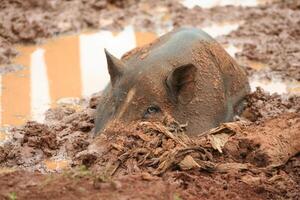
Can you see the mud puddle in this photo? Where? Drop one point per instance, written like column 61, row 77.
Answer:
column 275, row 85
column 67, row 68
column 61, row 72
column 63, row 69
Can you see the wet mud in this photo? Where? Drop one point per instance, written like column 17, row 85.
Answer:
column 254, row 157
column 267, row 33
column 258, row 154
column 274, row 42
column 81, row 184
column 33, row 21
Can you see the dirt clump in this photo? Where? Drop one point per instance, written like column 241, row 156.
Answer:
column 6, row 51
column 269, row 143
column 66, row 133
column 261, row 105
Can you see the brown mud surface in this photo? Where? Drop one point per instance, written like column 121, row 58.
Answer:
column 34, row 20
column 268, row 33
column 255, row 157
column 81, row 184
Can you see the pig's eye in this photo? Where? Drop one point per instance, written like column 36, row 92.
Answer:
column 152, row 110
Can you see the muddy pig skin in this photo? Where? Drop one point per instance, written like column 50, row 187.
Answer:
column 184, row 74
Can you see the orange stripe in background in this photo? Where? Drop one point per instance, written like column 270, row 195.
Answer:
column 143, row 38
column 15, row 98
column 62, row 59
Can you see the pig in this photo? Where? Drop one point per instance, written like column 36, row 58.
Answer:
column 184, row 74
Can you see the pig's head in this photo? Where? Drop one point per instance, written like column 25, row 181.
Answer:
column 137, row 94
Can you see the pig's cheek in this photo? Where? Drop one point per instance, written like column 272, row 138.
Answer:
column 168, row 117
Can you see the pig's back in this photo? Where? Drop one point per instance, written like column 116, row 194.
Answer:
column 175, row 46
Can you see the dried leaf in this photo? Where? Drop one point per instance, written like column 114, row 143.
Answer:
column 218, row 141
column 188, row 163
column 219, row 136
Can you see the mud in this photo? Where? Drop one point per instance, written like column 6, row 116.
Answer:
column 267, row 33
column 254, row 157
column 82, row 184
column 6, row 52
column 227, row 162
column 274, row 42
column 261, row 105
column 66, row 133
column 32, row 21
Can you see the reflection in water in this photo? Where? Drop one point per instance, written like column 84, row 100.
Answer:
column 272, row 85
column 40, row 96
column 15, row 94
column 219, row 29
column 232, row 50
column 70, row 66
column 275, row 85
column 94, row 72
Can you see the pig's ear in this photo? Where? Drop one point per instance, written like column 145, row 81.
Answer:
column 115, row 66
column 181, row 83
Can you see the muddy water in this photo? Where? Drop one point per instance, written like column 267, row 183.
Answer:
column 275, row 85
column 69, row 67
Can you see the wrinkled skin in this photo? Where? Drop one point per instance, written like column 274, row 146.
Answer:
column 184, row 74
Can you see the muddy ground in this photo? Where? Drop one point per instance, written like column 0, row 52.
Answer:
column 255, row 157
